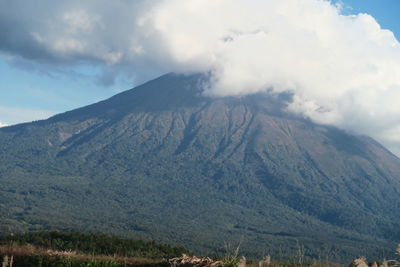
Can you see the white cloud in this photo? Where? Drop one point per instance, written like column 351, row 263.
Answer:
column 13, row 115
column 342, row 70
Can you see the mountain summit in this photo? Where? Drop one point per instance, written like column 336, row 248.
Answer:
column 162, row 161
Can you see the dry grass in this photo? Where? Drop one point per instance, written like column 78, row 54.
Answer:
column 29, row 250
column 277, row 264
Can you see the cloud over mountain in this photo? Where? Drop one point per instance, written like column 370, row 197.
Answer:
column 342, row 70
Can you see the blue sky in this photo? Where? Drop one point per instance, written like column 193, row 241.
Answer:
column 39, row 95
column 28, row 92
column 386, row 12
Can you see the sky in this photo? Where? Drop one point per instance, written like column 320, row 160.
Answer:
column 340, row 59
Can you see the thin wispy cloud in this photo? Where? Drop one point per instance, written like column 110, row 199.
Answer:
column 342, row 70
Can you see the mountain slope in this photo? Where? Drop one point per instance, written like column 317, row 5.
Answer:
column 163, row 162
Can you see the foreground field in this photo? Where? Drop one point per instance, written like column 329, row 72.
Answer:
column 52, row 248
column 21, row 256
column 59, row 249
column 28, row 255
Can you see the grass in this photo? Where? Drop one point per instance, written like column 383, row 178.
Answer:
column 15, row 254
column 396, row 262
column 231, row 258
column 29, row 255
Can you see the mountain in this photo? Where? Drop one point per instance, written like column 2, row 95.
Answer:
column 163, row 162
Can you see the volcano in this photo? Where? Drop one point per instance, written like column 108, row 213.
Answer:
column 164, row 162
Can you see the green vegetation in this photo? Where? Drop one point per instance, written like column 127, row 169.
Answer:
column 61, row 249
column 231, row 257
column 96, row 244
column 23, row 256
column 46, row 260
column 52, row 248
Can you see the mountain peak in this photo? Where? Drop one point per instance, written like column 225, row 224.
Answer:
column 166, row 92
